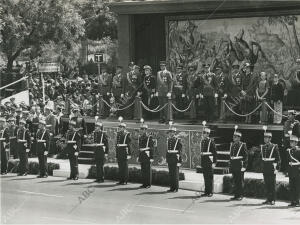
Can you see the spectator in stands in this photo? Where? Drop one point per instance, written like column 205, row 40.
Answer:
column 276, row 96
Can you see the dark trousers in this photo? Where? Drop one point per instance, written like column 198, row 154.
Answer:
column 42, row 162
column 73, row 159
column 163, row 113
column 23, row 164
column 208, row 179
column 209, row 106
column 123, row 171
column 174, row 176
column 13, row 148
column 146, row 173
column 4, row 159
column 284, row 155
column 103, row 108
column 99, row 160
column 238, row 180
column 294, row 183
column 270, row 181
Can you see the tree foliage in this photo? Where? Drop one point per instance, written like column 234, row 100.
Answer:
column 33, row 24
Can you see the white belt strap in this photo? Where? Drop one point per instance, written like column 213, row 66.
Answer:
column 175, row 145
column 124, row 141
column 3, row 132
column 272, row 151
column 43, row 135
column 230, row 148
column 208, row 147
column 74, row 136
column 239, row 149
column 292, row 157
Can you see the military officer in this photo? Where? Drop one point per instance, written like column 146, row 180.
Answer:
column 73, row 144
column 208, row 160
column 123, row 152
column 271, row 163
column 12, row 130
column 180, row 90
column 164, row 89
column 173, row 157
column 51, row 127
column 101, row 149
column 238, row 164
column 146, row 145
column 4, row 145
column 118, row 84
column 23, row 146
column 104, row 83
column 42, row 137
column 294, row 171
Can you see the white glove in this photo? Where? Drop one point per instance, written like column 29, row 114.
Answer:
column 107, row 93
column 156, row 94
column 201, row 96
column 225, row 95
column 129, row 157
column 51, row 134
column 45, row 153
column 7, row 149
column 45, row 144
column 148, row 154
column 197, row 96
column 213, row 165
column 105, row 155
column 151, row 160
column 169, row 95
column 243, row 169
column 178, row 164
column 216, row 95
column 85, row 136
column 76, row 153
column 183, row 95
column 122, row 95
column 27, row 149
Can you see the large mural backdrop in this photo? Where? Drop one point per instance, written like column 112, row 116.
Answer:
column 271, row 44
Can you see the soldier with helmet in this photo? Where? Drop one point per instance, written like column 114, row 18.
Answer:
column 294, row 171
column 42, row 138
column 23, row 146
column 271, row 164
column 208, row 160
column 123, row 152
column 4, row 145
column 238, row 163
column 100, row 149
column 146, row 145
column 173, row 157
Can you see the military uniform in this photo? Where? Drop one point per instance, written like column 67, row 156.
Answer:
column 42, row 147
column 73, row 140
column 148, row 93
column 100, row 150
column 238, row 161
column 105, row 84
column 12, row 130
column 4, row 145
column 180, row 90
column 270, row 157
column 146, row 146
column 294, row 174
column 122, row 151
column 173, row 157
column 208, row 157
column 23, row 146
column 117, row 87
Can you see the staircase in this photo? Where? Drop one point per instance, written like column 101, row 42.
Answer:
column 86, row 155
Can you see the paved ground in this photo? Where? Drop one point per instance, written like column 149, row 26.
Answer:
column 56, row 200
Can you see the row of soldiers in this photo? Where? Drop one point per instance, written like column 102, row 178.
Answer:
column 238, row 156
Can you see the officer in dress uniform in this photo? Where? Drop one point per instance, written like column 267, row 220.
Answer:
column 294, row 171
column 104, row 83
column 208, row 160
column 12, row 130
column 174, row 159
column 73, row 144
column 271, row 163
column 23, row 146
column 101, row 149
column 118, row 84
column 238, row 164
column 4, row 145
column 42, row 138
column 146, row 145
column 180, row 90
column 123, row 152
column 164, row 89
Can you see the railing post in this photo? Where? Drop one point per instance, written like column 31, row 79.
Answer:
column 169, row 110
column 138, row 112
column 222, row 111
column 264, row 112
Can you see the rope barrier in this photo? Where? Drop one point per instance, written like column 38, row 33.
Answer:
column 248, row 114
column 155, row 110
column 275, row 111
column 184, row 110
column 118, row 109
column 23, row 78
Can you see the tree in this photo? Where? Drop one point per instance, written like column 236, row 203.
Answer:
column 31, row 24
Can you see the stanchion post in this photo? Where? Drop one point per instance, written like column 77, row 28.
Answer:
column 101, row 107
column 264, row 112
column 222, row 111
column 138, row 113
column 170, row 110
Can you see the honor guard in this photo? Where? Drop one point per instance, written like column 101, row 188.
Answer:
column 4, row 145
column 42, row 138
column 123, row 152
column 23, row 146
column 294, row 171
column 208, row 160
column 238, row 164
column 146, row 145
column 12, row 129
column 174, row 159
column 100, row 149
column 73, row 144
column 271, row 163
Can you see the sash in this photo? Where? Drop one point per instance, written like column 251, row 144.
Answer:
column 270, row 156
column 296, row 162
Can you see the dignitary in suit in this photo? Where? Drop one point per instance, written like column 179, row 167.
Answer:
column 238, row 163
column 294, row 171
column 174, row 159
column 146, row 145
column 4, row 145
column 208, row 160
column 123, row 152
column 42, row 138
column 100, row 149
column 271, row 164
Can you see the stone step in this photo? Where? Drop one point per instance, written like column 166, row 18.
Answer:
column 217, row 170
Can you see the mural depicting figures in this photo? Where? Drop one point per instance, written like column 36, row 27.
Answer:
column 269, row 44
